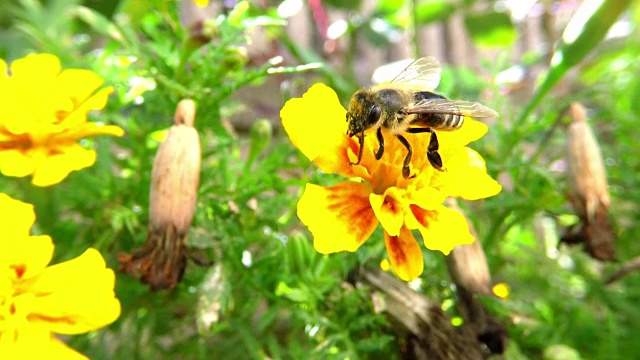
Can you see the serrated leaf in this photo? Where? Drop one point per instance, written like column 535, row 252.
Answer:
column 490, row 29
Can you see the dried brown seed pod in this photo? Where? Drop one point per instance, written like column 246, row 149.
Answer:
column 586, row 169
column 588, row 193
column 174, row 189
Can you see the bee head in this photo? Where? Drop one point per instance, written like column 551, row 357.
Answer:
column 363, row 112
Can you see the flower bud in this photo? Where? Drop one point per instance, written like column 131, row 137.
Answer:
column 299, row 253
column 587, row 177
column 588, row 193
column 174, row 185
column 234, row 58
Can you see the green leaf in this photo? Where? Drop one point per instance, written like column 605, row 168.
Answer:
column 490, row 29
column 98, row 22
column 434, row 11
column 389, row 6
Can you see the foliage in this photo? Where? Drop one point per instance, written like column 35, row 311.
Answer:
column 268, row 293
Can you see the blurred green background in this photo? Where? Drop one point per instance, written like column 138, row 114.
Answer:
column 268, row 294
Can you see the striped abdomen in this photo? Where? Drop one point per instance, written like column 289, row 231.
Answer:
column 449, row 119
column 450, row 122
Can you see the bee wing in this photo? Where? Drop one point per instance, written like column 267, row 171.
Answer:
column 423, row 73
column 455, row 107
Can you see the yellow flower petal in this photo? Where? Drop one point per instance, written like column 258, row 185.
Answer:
column 30, row 343
column 23, row 255
column 61, row 351
column 442, row 229
column 425, row 197
column 339, row 217
column 4, row 73
column 57, row 167
column 16, row 163
column 404, row 254
column 388, row 208
column 78, row 84
column 27, row 256
column 37, row 343
column 88, row 129
column 467, row 176
column 16, row 219
column 35, row 68
column 79, row 115
column 75, row 296
column 316, row 125
column 470, row 131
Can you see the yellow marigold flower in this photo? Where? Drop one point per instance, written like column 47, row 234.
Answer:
column 384, row 265
column 342, row 217
column 44, row 113
column 37, row 300
column 501, row 290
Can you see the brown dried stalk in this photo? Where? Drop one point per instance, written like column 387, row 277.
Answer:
column 174, row 185
column 467, row 265
column 425, row 330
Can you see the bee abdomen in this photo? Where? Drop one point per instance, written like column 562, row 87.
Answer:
column 452, row 121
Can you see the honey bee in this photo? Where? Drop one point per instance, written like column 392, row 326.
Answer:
column 404, row 105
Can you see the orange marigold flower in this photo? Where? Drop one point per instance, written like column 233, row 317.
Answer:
column 37, row 300
column 44, row 113
column 342, row 217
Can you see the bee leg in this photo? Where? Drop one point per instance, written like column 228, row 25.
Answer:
column 361, row 142
column 432, row 150
column 380, row 151
column 407, row 159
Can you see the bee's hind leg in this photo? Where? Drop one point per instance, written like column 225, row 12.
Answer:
column 407, row 159
column 432, row 150
column 380, row 138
